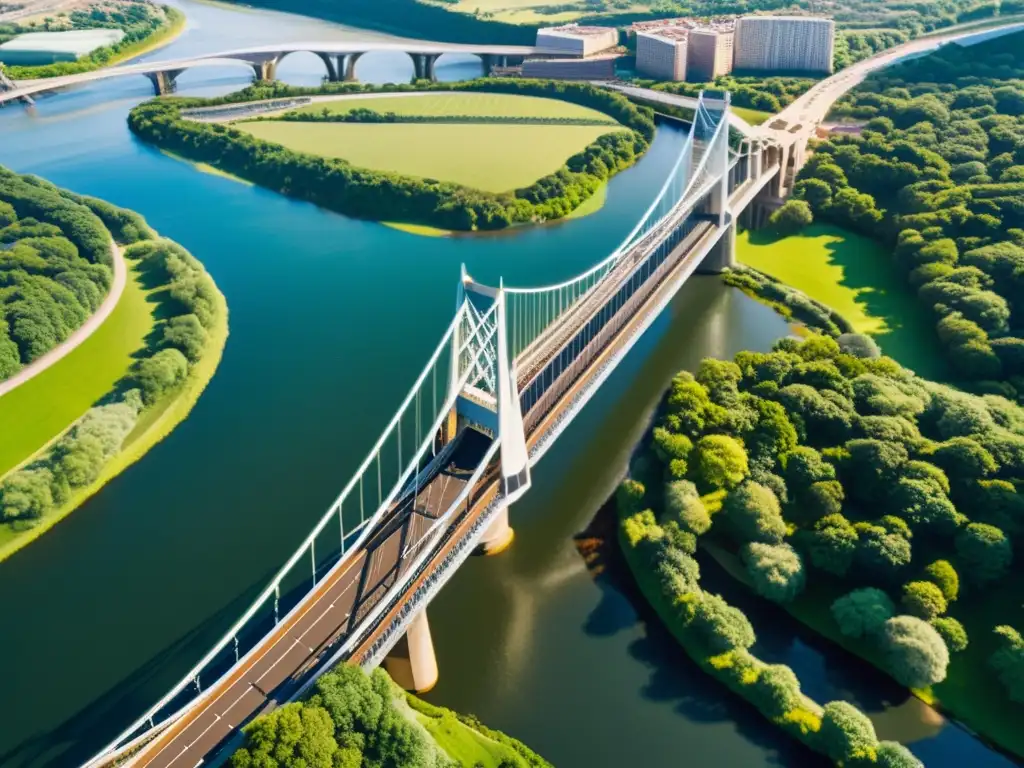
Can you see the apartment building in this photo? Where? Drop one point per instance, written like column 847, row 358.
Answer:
column 574, row 40
column 784, row 43
column 661, row 53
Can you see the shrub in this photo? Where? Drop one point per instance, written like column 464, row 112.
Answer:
column 952, row 632
column 629, row 498
column 187, row 334
column 683, row 504
column 923, row 599
column 776, row 690
column 862, row 612
column 26, row 494
column 641, row 526
column 917, row 655
column 775, row 570
column 985, row 553
column 858, row 345
column 754, row 514
column 721, row 461
column 158, row 374
column 792, row 216
column 892, row 754
column 945, row 577
column 720, row 626
column 832, row 544
column 1008, row 661
column 846, row 734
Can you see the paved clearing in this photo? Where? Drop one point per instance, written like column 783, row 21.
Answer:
column 491, row 157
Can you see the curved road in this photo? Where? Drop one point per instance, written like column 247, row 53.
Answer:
column 84, row 331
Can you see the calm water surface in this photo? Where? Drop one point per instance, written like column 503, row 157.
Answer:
column 331, row 319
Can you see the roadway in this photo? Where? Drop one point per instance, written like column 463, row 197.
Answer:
column 272, row 672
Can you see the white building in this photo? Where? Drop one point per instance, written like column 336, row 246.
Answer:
column 574, row 40
column 661, row 53
column 710, row 53
column 784, row 43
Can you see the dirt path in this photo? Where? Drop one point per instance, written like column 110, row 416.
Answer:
column 87, row 328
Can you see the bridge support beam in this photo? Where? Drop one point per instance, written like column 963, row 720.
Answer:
column 347, row 66
column 412, row 663
column 332, row 64
column 423, row 64
column 723, row 255
column 498, row 536
column 265, row 70
column 164, row 82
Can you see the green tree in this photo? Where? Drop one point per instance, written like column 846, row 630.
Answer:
column 793, row 216
column 832, row 544
column 985, row 553
column 754, row 514
column 846, row 734
column 295, row 736
column 158, row 374
column 776, row 570
column 721, row 461
column 923, row 599
column 862, row 612
column 683, row 504
column 944, row 576
column 952, row 633
column 892, row 754
column 916, row 654
column 776, row 690
column 1008, row 661
column 720, row 626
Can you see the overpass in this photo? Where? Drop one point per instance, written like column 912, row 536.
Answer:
column 339, row 63
column 511, row 371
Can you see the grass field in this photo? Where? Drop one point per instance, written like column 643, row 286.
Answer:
column 462, row 743
column 475, row 104
column 853, row 275
column 43, row 407
column 752, row 116
column 491, row 157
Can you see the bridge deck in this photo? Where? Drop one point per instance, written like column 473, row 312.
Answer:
column 279, row 664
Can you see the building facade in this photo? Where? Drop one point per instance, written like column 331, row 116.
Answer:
column 661, row 53
column 784, row 44
column 709, row 53
column 574, row 40
column 594, row 68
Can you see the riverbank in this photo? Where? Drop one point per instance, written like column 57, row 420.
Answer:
column 144, row 401
column 448, row 180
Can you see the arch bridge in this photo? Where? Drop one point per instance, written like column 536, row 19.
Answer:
column 510, row 372
column 339, row 63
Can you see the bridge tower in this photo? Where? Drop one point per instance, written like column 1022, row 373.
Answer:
column 723, row 255
column 491, row 404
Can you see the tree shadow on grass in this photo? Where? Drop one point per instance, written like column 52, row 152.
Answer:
column 867, row 270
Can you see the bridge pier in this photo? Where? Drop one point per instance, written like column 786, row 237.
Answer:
column 347, row 69
column 332, row 63
column 266, row 69
column 723, row 256
column 498, row 536
column 412, row 663
column 165, row 81
column 423, row 64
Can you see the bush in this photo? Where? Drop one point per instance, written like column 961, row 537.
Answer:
column 923, row 599
column 985, row 553
column 952, row 632
column 629, row 498
column 846, row 734
column 776, row 690
column 721, row 461
column 892, row 754
column 945, row 577
column 917, row 655
column 720, row 626
column 160, row 373
column 832, row 544
column 858, row 345
column 863, row 612
column 754, row 514
column 791, row 217
column 683, row 504
column 186, row 334
column 1008, row 661
column 775, row 570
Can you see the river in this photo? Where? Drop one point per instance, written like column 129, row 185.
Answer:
column 331, row 319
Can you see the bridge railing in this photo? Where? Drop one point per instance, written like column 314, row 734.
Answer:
column 532, row 311
column 389, row 468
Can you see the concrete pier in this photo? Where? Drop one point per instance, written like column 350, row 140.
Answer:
column 412, row 663
column 498, row 536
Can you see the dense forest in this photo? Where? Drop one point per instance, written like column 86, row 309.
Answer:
column 140, row 20
column 363, row 193
column 355, row 720
column 55, row 268
column 938, row 173
column 881, row 505
column 191, row 311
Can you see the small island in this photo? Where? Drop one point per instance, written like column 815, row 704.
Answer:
column 108, row 335
column 479, row 155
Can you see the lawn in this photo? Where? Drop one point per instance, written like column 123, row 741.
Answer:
column 463, row 744
column 491, row 157
column 752, row 116
column 444, row 104
column 43, row 407
column 853, row 275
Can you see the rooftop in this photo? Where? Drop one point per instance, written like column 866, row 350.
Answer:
column 770, row 17
column 575, row 30
column 670, row 34
column 716, row 24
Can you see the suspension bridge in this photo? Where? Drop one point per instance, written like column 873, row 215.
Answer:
column 509, row 374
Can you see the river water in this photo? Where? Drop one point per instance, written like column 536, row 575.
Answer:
column 330, row 320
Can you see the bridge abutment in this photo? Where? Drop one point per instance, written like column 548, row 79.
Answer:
column 412, row 663
column 499, row 535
